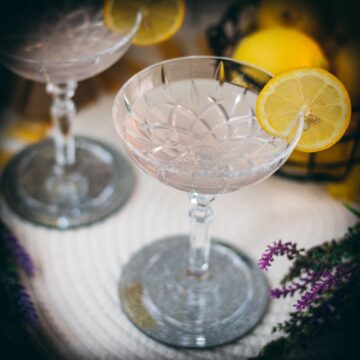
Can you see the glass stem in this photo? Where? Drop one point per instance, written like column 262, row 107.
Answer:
column 63, row 112
column 201, row 215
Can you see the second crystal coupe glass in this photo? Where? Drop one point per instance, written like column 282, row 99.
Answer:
column 190, row 122
column 69, row 181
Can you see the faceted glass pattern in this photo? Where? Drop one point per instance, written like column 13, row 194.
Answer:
column 195, row 128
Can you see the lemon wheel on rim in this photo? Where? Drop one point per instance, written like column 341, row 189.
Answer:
column 312, row 92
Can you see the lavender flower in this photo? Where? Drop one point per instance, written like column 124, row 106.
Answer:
column 278, row 249
column 300, row 285
column 25, row 304
column 18, row 253
column 318, row 282
column 328, row 280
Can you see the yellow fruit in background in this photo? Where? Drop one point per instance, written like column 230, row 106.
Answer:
column 300, row 157
column 349, row 189
column 279, row 49
column 161, row 19
column 299, row 15
column 347, row 69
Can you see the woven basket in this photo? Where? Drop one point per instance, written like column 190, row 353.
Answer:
column 333, row 164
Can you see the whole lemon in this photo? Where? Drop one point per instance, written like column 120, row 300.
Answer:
column 278, row 49
column 347, row 68
column 299, row 15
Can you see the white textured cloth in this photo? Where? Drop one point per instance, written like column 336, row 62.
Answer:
column 75, row 286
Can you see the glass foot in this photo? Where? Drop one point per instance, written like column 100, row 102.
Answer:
column 38, row 190
column 167, row 304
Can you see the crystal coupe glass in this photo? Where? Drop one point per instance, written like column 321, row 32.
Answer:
column 69, row 181
column 190, row 122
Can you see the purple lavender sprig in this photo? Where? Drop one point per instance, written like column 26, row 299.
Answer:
column 299, row 285
column 278, row 249
column 18, row 253
column 24, row 303
column 14, row 254
column 327, row 280
column 311, row 284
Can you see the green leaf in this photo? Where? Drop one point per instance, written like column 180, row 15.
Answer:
column 352, row 210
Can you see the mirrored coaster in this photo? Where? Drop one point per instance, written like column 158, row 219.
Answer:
column 163, row 301
column 98, row 184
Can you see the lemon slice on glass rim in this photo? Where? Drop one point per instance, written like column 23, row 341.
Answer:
column 161, row 19
column 312, row 93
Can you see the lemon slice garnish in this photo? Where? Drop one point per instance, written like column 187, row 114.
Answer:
column 313, row 93
column 161, row 19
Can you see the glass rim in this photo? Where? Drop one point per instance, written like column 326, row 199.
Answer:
column 124, row 40
column 189, row 57
column 280, row 155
